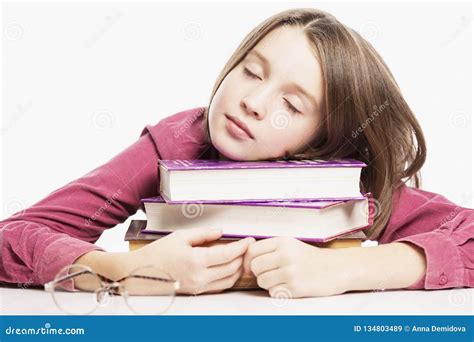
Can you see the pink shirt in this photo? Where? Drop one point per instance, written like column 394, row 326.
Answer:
column 38, row 241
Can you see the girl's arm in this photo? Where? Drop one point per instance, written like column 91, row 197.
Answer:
column 439, row 229
column 383, row 267
column 427, row 244
column 38, row 241
column 199, row 269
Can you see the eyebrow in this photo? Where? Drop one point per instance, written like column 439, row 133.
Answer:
column 299, row 88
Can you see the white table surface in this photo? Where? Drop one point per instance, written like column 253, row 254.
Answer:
column 19, row 301
column 31, row 301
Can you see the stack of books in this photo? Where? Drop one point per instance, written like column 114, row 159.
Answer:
column 316, row 201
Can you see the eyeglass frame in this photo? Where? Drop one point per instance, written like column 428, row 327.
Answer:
column 107, row 284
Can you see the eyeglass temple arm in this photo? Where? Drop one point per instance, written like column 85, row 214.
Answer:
column 176, row 283
column 49, row 285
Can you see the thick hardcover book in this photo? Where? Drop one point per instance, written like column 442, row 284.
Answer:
column 203, row 164
column 311, row 221
column 231, row 181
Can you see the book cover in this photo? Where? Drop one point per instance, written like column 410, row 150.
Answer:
column 250, row 201
column 205, row 164
column 137, row 232
column 315, row 204
column 293, row 203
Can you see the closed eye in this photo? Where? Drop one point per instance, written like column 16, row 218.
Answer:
column 250, row 74
column 291, row 107
column 288, row 104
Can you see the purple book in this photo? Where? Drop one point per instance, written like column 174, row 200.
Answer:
column 316, row 203
column 203, row 164
column 217, row 181
column 313, row 221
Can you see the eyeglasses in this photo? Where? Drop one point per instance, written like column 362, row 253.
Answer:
column 147, row 290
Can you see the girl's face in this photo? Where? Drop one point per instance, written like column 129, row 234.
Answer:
column 270, row 104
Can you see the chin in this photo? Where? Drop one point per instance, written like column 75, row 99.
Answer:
column 226, row 149
column 226, row 152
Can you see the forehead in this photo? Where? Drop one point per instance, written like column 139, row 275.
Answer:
column 292, row 58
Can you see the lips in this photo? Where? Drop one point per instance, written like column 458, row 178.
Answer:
column 239, row 123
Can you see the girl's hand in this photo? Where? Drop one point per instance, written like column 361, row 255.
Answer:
column 199, row 269
column 288, row 267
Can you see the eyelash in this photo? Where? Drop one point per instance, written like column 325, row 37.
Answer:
column 291, row 107
column 287, row 103
column 250, row 74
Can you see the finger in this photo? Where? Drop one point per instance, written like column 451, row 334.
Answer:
column 265, row 262
column 271, row 279
column 224, row 270
column 280, row 291
column 222, row 254
column 256, row 249
column 224, row 283
column 197, row 236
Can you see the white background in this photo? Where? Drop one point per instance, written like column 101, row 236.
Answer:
column 80, row 81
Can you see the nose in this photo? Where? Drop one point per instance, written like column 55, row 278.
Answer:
column 254, row 106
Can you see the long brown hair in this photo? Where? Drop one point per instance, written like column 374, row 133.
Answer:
column 366, row 116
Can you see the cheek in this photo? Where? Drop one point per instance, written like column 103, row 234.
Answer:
column 225, row 100
column 229, row 88
column 274, row 142
column 306, row 129
column 291, row 137
column 215, row 126
column 216, row 110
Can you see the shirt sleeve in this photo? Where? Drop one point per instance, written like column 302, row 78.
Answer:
column 441, row 229
column 51, row 234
